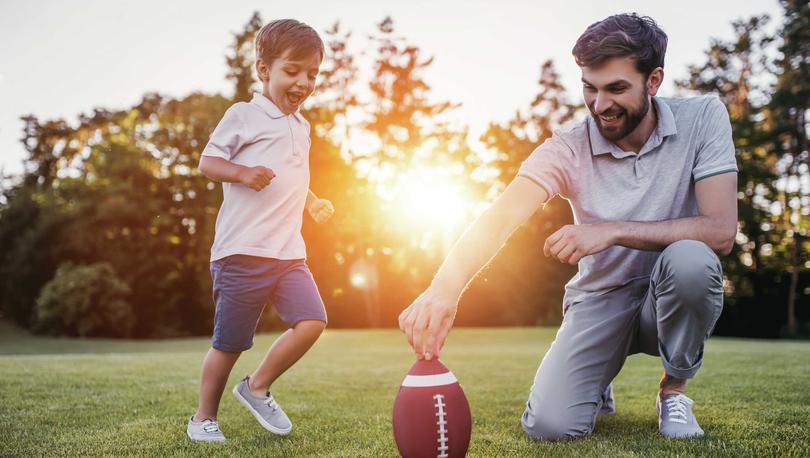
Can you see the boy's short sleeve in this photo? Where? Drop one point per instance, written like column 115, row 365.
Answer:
column 228, row 137
column 548, row 166
column 715, row 152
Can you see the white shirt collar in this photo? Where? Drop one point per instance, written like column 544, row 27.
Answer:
column 270, row 108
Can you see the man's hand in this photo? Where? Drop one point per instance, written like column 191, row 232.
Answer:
column 256, row 178
column 427, row 321
column 321, row 210
column 573, row 242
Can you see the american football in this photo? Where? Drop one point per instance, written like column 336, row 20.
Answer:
column 431, row 413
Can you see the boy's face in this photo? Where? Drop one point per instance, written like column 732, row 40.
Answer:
column 289, row 82
column 618, row 95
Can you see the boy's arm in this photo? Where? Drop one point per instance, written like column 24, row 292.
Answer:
column 222, row 170
column 428, row 320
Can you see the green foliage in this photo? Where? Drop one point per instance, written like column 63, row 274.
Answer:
column 122, row 188
column 770, row 263
column 84, row 300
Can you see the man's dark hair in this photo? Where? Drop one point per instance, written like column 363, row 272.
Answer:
column 276, row 37
column 623, row 35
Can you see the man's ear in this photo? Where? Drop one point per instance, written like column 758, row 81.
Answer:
column 654, row 81
column 262, row 70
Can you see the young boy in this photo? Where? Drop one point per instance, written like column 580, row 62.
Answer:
column 260, row 153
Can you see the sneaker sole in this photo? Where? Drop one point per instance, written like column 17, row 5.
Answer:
column 203, row 440
column 259, row 418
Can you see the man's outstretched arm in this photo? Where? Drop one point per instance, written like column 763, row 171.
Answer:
column 715, row 225
column 428, row 320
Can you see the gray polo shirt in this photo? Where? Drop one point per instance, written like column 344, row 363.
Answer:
column 691, row 141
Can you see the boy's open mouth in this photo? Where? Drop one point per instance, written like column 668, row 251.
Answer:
column 295, row 98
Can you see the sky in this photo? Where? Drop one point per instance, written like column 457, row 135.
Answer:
column 61, row 59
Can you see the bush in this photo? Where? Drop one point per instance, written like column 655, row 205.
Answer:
column 84, row 300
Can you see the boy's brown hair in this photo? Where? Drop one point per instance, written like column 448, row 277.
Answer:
column 281, row 35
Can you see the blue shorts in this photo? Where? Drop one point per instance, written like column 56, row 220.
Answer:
column 244, row 284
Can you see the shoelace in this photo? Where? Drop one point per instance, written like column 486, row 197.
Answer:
column 677, row 408
column 210, row 426
column 270, row 402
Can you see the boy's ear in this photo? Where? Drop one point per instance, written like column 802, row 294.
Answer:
column 263, row 70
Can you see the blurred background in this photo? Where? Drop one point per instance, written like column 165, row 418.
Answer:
column 423, row 114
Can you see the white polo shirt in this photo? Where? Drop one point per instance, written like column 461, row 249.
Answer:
column 266, row 223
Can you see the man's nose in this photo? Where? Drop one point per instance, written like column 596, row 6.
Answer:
column 602, row 103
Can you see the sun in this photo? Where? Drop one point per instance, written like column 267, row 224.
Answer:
column 428, row 200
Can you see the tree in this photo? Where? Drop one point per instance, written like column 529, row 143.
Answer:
column 770, row 135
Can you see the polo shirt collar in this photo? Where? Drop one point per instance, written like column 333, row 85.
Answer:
column 664, row 128
column 270, row 108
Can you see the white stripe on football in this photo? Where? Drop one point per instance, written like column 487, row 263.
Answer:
column 429, row 380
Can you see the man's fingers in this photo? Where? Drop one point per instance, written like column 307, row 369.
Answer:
column 441, row 334
column 439, row 328
column 551, row 240
column 556, row 248
column 565, row 251
column 419, row 326
column 430, row 338
column 402, row 317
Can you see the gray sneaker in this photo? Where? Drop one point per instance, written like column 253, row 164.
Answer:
column 265, row 409
column 204, row 431
column 675, row 417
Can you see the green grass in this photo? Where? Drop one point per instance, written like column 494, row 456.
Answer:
column 105, row 397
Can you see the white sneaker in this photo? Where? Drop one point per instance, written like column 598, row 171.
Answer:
column 675, row 417
column 204, row 431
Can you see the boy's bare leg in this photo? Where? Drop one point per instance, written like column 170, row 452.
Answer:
column 216, row 368
column 284, row 352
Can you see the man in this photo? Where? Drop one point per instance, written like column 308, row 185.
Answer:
column 652, row 185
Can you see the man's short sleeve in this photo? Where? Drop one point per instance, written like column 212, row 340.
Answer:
column 548, row 166
column 228, row 137
column 715, row 151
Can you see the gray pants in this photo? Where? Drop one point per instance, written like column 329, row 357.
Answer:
column 670, row 314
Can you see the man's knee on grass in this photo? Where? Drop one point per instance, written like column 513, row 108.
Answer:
column 552, row 425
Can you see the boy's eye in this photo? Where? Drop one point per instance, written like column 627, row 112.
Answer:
column 290, row 72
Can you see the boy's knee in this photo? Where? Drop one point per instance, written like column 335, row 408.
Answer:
column 310, row 327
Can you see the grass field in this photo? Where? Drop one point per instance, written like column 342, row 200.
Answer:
column 102, row 397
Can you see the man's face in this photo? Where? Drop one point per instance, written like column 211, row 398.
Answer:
column 289, row 82
column 617, row 96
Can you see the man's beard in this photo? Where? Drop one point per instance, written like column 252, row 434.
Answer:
column 631, row 120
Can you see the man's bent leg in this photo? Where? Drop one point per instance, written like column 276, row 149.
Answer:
column 590, row 348
column 682, row 306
